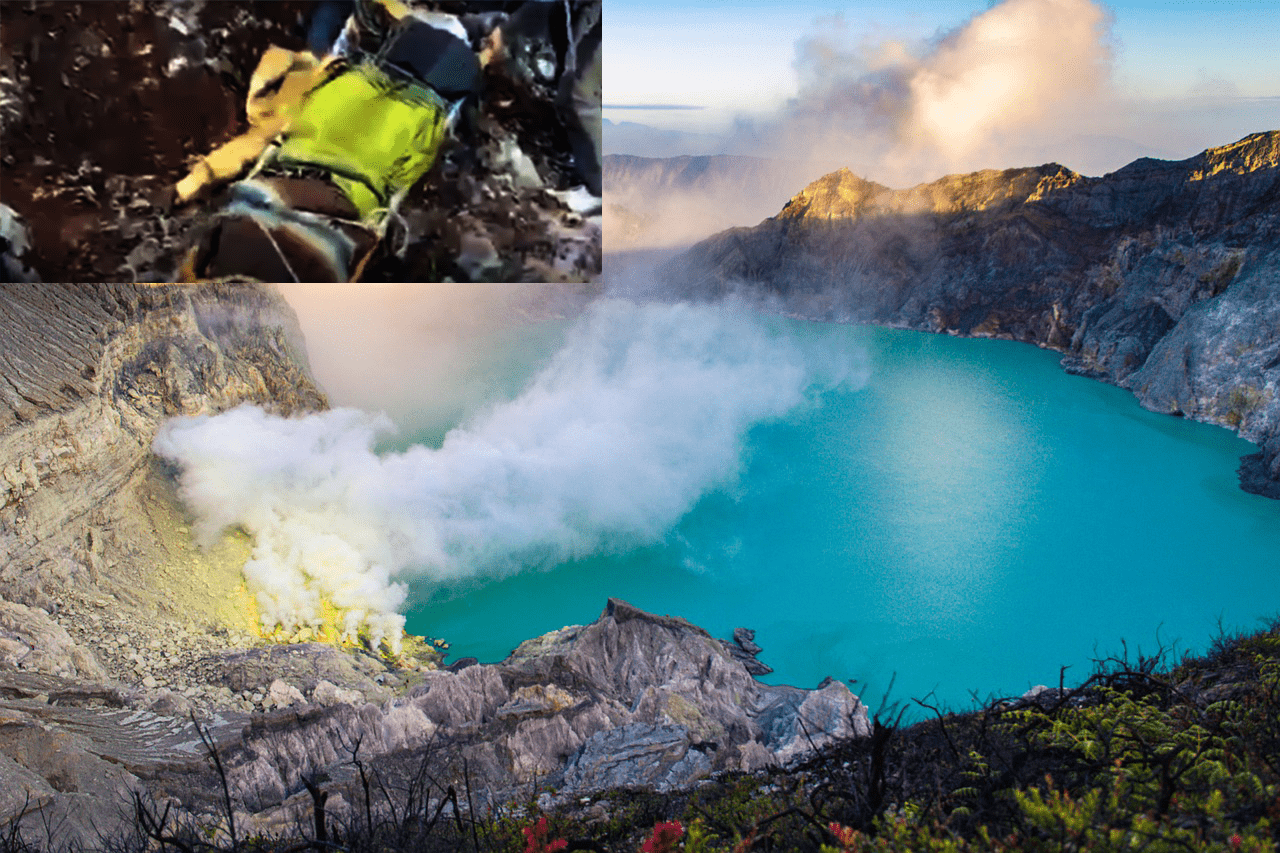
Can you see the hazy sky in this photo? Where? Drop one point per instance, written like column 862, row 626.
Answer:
column 1167, row 75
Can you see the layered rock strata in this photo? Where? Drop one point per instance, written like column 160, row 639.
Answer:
column 631, row 700
column 1162, row 277
column 87, row 374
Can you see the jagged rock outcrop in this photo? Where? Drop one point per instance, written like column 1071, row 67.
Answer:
column 633, row 699
column 1162, row 277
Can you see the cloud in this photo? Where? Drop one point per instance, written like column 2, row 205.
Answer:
column 1022, row 83
column 652, row 107
column 1013, row 75
column 640, row 414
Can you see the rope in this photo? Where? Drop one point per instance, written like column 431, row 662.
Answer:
column 279, row 252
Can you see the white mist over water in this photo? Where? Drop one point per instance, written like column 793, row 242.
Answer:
column 640, row 414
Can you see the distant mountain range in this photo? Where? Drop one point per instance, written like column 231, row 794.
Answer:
column 654, row 201
column 624, row 137
column 676, row 200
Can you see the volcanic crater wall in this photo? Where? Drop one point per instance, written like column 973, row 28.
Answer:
column 1162, row 277
column 87, row 374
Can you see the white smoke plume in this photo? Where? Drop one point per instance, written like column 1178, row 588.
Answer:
column 419, row 352
column 1011, row 76
column 980, row 96
column 641, row 413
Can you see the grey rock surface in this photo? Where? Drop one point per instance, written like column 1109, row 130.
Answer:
column 1162, row 277
column 30, row 640
column 633, row 699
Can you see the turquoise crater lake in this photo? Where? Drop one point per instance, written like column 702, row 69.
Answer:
column 969, row 519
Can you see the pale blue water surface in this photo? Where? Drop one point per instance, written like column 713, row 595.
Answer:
column 970, row 520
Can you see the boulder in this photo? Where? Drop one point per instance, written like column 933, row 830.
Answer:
column 30, row 640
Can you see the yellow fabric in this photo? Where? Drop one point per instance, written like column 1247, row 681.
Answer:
column 277, row 90
column 394, row 8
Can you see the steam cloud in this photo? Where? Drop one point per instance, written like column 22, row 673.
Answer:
column 642, row 412
column 1020, row 72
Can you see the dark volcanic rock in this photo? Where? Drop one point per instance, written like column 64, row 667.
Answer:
column 1162, row 277
column 745, row 651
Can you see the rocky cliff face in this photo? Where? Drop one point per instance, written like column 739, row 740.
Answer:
column 87, row 374
column 103, row 597
column 675, row 200
column 1162, row 277
column 633, row 699
column 114, row 627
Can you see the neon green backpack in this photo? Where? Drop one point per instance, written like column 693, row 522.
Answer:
column 375, row 134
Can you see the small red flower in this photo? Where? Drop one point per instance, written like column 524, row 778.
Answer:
column 536, row 839
column 845, row 836
column 1236, row 841
column 665, row 838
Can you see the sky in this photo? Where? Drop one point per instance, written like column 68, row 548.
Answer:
column 1165, row 79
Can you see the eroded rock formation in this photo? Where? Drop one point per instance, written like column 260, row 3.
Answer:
column 633, row 699
column 1162, row 277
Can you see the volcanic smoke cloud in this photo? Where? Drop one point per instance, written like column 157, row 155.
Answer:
column 1013, row 76
column 643, row 411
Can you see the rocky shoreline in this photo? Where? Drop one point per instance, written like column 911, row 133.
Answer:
column 118, row 636
column 1160, row 278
